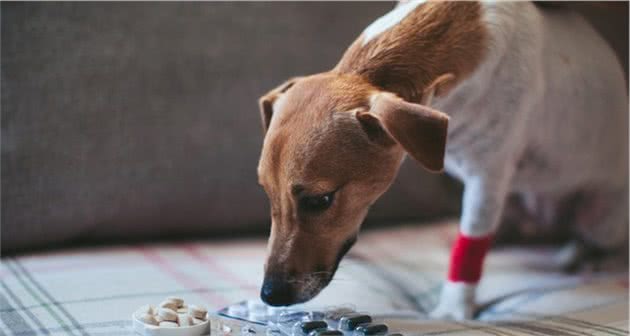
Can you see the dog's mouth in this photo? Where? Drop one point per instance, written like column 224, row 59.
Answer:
column 281, row 291
column 347, row 245
column 317, row 281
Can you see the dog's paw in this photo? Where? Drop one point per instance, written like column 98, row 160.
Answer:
column 457, row 302
column 457, row 312
column 578, row 256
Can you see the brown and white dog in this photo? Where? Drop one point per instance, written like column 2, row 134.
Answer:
column 509, row 97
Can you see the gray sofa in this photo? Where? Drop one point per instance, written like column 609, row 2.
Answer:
column 139, row 120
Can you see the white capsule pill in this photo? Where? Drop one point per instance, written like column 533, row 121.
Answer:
column 169, row 304
column 197, row 312
column 168, row 324
column 167, row 314
column 146, row 309
column 185, row 320
column 179, row 301
column 148, row 319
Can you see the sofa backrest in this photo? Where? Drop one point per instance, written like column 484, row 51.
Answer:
column 140, row 120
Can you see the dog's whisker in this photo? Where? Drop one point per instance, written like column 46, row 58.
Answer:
column 320, row 273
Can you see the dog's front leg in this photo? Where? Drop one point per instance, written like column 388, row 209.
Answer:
column 484, row 197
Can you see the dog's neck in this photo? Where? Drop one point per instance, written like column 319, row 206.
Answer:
column 407, row 49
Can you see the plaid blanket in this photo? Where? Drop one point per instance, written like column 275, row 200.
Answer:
column 93, row 291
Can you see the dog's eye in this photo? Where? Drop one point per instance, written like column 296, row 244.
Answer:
column 316, row 203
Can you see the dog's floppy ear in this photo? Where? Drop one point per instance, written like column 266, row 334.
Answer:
column 266, row 102
column 420, row 130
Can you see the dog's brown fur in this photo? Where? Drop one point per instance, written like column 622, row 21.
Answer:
column 346, row 131
column 436, row 39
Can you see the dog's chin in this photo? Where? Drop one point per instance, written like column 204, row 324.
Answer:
column 314, row 285
column 347, row 245
column 312, row 288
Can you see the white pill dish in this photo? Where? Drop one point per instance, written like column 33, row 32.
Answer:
column 172, row 317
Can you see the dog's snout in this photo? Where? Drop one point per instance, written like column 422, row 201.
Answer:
column 277, row 292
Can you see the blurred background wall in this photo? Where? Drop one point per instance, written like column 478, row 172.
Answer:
column 139, row 120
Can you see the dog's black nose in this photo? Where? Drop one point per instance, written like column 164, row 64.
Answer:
column 277, row 292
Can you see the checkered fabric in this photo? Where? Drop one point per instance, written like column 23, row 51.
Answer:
column 93, row 291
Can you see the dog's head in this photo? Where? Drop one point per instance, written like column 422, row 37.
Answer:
column 333, row 144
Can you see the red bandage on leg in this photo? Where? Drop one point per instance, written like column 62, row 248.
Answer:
column 467, row 258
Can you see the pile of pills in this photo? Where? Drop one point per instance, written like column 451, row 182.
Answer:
column 333, row 321
column 172, row 313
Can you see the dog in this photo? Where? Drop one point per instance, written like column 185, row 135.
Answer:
column 509, row 97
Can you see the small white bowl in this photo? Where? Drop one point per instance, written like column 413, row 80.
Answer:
column 150, row 330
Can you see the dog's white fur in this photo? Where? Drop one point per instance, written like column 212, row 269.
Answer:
column 546, row 113
column 389, row 20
